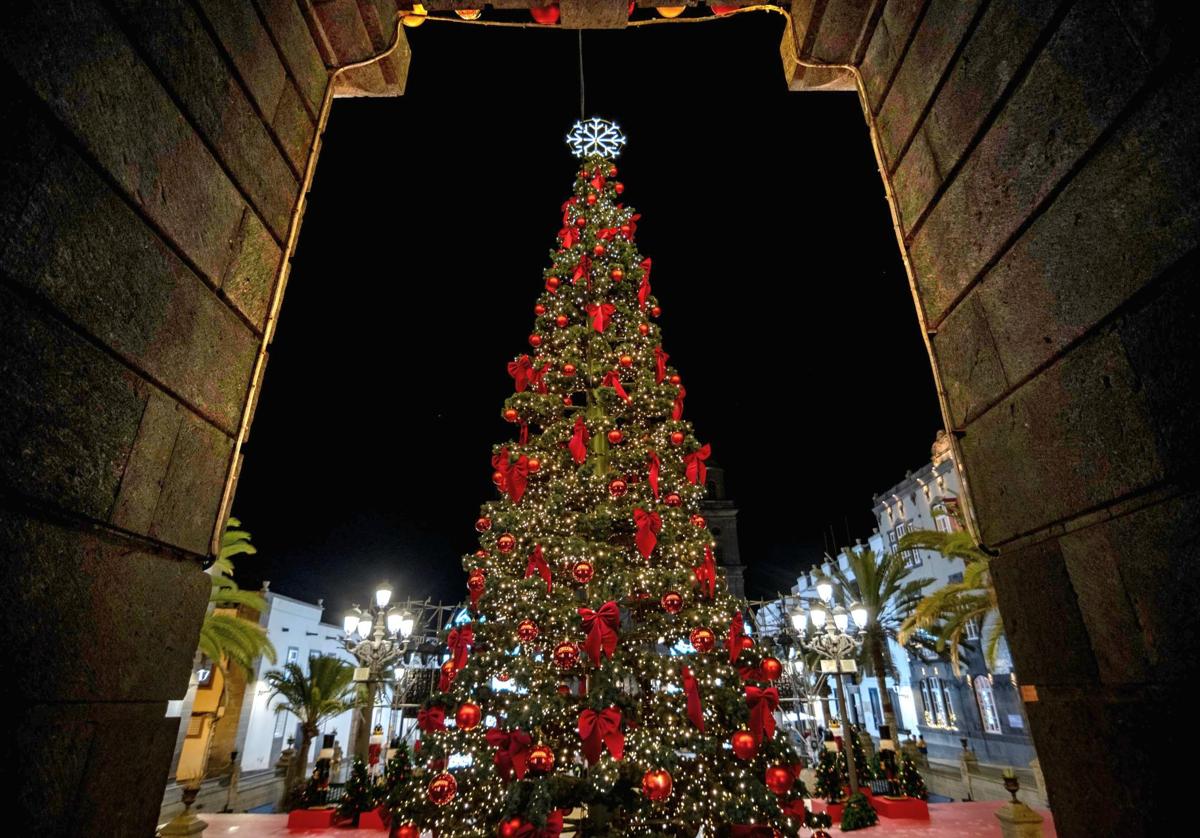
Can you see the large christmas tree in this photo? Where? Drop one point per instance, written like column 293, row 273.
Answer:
column 605, row 671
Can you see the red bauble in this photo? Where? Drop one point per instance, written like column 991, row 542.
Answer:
column 408, row 830
column 617, row 487
column 677, row 437
column 566, row 655
column 747, row 642
column 468, row 715
column 618, row 187
column 591, row 199
column 535, row 465
column 503, row 677
column 561, row 321
column 497, row 477
column 581, row 221
column 448, row 668
column 568, row 370
column 583, row 572
column 551, row 285
column 675, row 379
column 615, row 436
column 535, row 340
column 656, row 785
column 771, row 668
column 567, row 400
column 625, row 360
column 506, row 542
column 672, row 499
column 476, row 581
column 598, row 250
column 442, row 789
column 612, row 170
column 545, row 15
column 563, row 689
column 672, row 602
column 702, row 639
column 698, row 520
column 483, row 524
column 539, row 309
column 511, row 827
column 541, row 759
column 511, row 415
column 617, row 274
column 656, row 311
column 643, row 328
column 779, row 779
column 527, row 631
column 481, row 554
column 744, row 744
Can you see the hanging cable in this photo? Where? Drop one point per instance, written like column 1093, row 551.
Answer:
column 582, row 110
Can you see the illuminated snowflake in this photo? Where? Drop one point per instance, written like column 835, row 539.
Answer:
column 595, row 136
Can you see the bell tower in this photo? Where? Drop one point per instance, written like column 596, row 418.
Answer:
column 721, row 514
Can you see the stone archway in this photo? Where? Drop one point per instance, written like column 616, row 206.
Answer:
column 1040, row 159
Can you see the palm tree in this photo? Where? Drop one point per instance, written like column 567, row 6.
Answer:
column 326, row 691
column 228, row 638
column 881, row 585
column 950, row 611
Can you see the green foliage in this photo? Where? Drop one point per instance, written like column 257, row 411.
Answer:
column 325, row 691
column 831, row 773
column 228, row 638
column 858, row 813
column 909, row 779
column 948, row 612
column 360, row 794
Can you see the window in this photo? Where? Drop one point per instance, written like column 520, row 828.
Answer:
column 911, row 557
column 280, row 725
column 987, row 704
column 876, row 709
column 293, row 654
column 972, row 629
column 939, row 710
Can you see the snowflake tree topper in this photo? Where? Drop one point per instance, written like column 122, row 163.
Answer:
column 595, row 136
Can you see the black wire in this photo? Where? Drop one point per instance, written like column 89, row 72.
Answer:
column 582, row 111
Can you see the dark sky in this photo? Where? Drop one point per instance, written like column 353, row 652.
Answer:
column 785, row 305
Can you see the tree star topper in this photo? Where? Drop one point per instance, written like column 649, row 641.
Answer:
column 595, row 136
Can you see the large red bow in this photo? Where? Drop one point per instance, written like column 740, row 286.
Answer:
column 597, row 181
column 601, row 314
column 762, row 704
column 583, row 270
column 660, row 364
column 514, row 476
column 734, row 643
column 566, row 210
column 432, row 719
column 649, row 525
column 601, row 728
column 652, row 473
column 519, row 370
column 677, row 410
column 601, row 626
column 695, row 712
column 537, row 378
column 612, row 379
column 706, row 574
column 644, row 288
column 568, row 236
column 607, row 234
column 537, row 564
column 696, row 471
column 460, row 641
column 579, row 440
column 513, row 751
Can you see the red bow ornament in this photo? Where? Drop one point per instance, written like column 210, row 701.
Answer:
column 649, row 525
column 734, row 643
column 514, row 476
column 537, row 564
column 537, row 378
column 607, row 234
column 568, row 235
column 652, row 473
column 695, row 712
column 601, row 314
column 598, row 181
column 677, row 409
column 519, row 370
column 512, row 751
column 579, row 440
column 583, row 270
column 706, row 574
column 460, row 641
column 601, row 626
column 612, row 379
column 762, row 704
column 432, row 719
column 601, row 729
column 695, row 469
column 660, row 364
column 644, row 288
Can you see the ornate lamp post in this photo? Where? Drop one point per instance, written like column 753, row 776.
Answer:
column 376, row 636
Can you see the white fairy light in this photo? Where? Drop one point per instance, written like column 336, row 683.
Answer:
column 595, row 136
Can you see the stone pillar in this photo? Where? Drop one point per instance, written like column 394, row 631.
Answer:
column 1019, row 821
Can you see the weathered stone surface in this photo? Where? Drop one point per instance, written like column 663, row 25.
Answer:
column 1071, row 439
column 142, row 482
column 1086, row 75
column 343, row 27
column 171, row 34
column 594, row 14
column 995, row 51
column 834, row 32
column 107, row 98
column 249, row 48
column 82, row 248
column 942, row 28
column 25, row 145
column 1050, row 288
column 295, row 131
column 967, row 359
column 191, row 494
column 299, row 52
column 887, row 47
column 69, row 413
column 252, row 270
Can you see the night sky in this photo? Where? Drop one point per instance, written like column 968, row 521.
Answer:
column 431, row 218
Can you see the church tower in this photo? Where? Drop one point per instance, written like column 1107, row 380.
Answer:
column 721, row 514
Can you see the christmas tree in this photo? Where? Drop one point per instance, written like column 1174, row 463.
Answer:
column 910, row 781
column 604, row 673
column 359, row 794
column 858, row 813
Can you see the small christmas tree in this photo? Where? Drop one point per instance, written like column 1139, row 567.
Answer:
column 830, row 772
column 858, row 813
column 861, row 766
column 359, row 795
column 909, row 779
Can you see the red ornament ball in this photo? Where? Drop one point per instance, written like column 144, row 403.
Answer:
column 677, row 437
column 582, row 572
column 615, row 436
column 408, row 830
column 591, row 199
column 503, row 677
column 672, row 499
column 563, row 689
column 498, row 477
column 618, row 187
column 561, row 321
column 617, row 487
column 483, row 524
column 511, row 415
column 744, row 744
column 442, row 788
column 541, row 759
column 527, row 631
column 702, row 639
column 552, row 283
column 747, row 642
column 545, row 15
column 581, row 221
column 612, row 170
column 535, row 465
column 779, row 779
column 675, row 379
column 511, row 828
column 482, row 554
column 698, row 520
column 598, row 250
column 535, row 340
column 506, row 542
column 476, row 581
column 656, row 785
column 617, row 274
column 567, row 400
column 771, row 668
column 468, row 715
column 539, row 309
column 566, row 655
column 672, row 602
column 625, row 360
column 656, row 311
column 643, row 328
column 568, row 370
